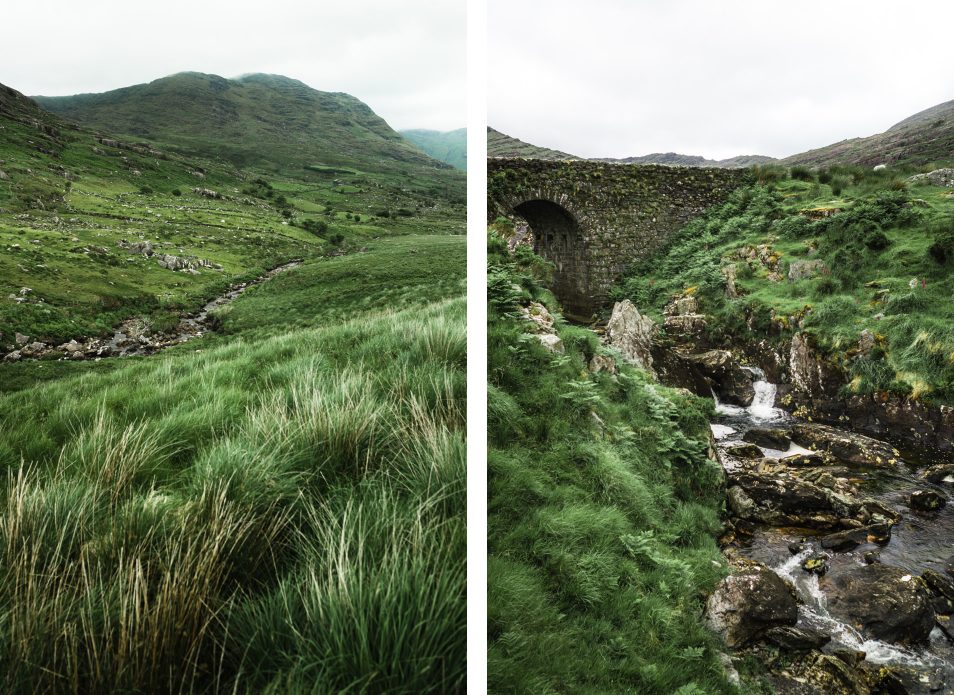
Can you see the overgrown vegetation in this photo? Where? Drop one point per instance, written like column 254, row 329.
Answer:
column 603, row 508
column 832, row 252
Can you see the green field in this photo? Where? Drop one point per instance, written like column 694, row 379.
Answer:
column 275, row 510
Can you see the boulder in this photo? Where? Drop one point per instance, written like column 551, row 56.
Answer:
column 749, row 602
column 941, row 473
column 682, row 306
column 744, row 451
column 539, row 316
column 848, row 447
column 740, row 503
column 725, row 375
column 14, row 356
column 816, row 563
column 768, row 437
column 631, row 333
column 21, row 339
column 941, row 587
column 885, row 602
column 803, row 270
column 551, row 342
column 34, row 349
column 602, row 363
column 796, row 639
column 853, row 537
column 926, row 501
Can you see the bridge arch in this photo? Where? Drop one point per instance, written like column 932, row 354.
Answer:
column 558, row 236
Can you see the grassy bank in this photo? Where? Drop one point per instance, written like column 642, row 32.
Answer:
column 603, row 508
column 279, row 510
column 831, row 252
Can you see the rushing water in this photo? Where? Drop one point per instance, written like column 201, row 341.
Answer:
column 918, row 543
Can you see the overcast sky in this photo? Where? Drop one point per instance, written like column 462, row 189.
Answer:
column 406, row 60
column 618, row 78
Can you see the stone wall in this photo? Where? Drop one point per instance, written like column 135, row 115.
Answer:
column 594, row 219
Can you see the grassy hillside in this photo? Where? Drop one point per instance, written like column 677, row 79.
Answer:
column 500, row 145
column 278, row 509
column 603, row 508
column 68, row 199
column 925, row 138
column 267, row 121
column 871, row 251
column 449, row 147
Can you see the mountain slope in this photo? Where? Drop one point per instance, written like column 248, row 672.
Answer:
column 501, row 145
column 686, row 160
column 255, row 120
column 449, row 147
column 925, row 137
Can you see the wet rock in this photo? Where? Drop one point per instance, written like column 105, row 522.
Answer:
column 871, row 557
column 731, row 383
column 852, row 538
column 829, row 674
column 848, row 447
column 812, row 458
column 749, row 602
column 551, row 342
column 769, row 438
column 939, row 474
column 740, row 503
column 816, row 563
column 744, row 451
column 796, row 639
column 796, row 547
column 885, row 602
column 632, row 334
column 941, row 587
column 926, row 501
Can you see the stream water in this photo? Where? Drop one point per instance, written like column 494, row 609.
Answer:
column 918, row 542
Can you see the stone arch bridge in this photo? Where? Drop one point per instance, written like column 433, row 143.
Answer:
column 593, row 219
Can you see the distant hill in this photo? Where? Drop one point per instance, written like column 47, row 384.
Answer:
column 685, row 160
column 267, row 121
column 925, row 137
column 449, row 147
column 500, row 145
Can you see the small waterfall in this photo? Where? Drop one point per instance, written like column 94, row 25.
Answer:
column 763, row 405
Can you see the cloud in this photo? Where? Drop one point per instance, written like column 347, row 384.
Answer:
column 620, row 77
column 407, row 60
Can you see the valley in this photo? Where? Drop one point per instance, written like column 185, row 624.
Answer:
column 231, row 396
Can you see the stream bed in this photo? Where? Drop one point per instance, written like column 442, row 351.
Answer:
column 919, row 541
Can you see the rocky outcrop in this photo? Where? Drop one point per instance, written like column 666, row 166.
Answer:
column 805, row 269
column 749, row 602
column 632, row 334
column 939, row 177
column 725, row 376
column 885, row 602
column 847, row 447
column 811, row 375
column 769, row 438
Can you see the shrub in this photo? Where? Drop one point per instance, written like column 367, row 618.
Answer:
column 176, row 192
column 801, row 173
column 145, row 190
column 877, row 240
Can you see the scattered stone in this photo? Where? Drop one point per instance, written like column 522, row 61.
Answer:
column 749, row 602
column 804, row 270
column 14, row 356
column 600, row 363
column 631, row 333
column 21, row 339
column 886, row 602
column 538, row 314
column 926, row 501
column 551, row 342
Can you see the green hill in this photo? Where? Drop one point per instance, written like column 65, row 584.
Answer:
column 500, row 145
column 449, row 147
column 924, row 138
column 260, row 120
